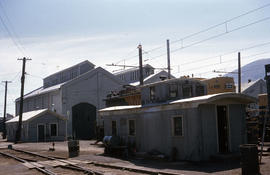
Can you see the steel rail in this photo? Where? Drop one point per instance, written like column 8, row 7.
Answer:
column 69, row 166
column 86, row 170
column 45, row 171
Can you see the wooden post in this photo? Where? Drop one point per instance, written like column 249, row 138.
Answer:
column 239, row 72
column 5, row 109
column 168, row 59
column 18, row 132
column 140, row 64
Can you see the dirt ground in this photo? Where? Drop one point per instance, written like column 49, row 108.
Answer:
column 91, row 152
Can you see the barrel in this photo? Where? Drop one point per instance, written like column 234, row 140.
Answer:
column 73, row 148
column 249, row 159
column 111, row 141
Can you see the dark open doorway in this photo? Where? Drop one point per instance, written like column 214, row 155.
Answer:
column 83, row 121
column 41, row 133
column 222, row 121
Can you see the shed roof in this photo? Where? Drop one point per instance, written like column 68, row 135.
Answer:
column 152, row 76
column 33, row 114
column 42, row 90
column 178, row 104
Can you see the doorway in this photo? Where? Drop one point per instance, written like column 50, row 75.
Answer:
column 222, row 123
column 84, row 121
column 41, row 133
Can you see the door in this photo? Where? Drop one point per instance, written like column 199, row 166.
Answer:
column 222, row 122
column 84, row 121
column 41, row 133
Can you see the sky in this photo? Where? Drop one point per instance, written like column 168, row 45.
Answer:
column 57, row 34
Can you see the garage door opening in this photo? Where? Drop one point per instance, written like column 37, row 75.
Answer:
column 83, row 121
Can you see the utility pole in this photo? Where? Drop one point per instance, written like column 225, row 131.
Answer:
column 5, row 108
column 168, row 59
column 239, row 72
column 140, row 64
column 18, row 132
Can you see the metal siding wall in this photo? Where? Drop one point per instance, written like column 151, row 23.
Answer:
column 154, row 131
column 237, row 126
column 87, row 90
column 209, row 130
column 47, row 119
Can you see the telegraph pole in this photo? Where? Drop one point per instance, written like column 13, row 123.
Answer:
column 140, row 64
column 5, row 107
column 18, row 132
column 239, row 72
column 168, row 59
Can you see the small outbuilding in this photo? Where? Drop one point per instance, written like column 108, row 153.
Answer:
column 193, row 128
column 38, row 126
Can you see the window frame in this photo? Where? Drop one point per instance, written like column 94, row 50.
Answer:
column 173, row 125
column 191, row 91
column 197, row 90
column 171, row 91
column 228, row 85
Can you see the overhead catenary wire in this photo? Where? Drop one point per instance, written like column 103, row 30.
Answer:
column 227, row 31
column 231, row 60
column 224, row 54
column 222, row 23
column 210, row 38
column 212, row 27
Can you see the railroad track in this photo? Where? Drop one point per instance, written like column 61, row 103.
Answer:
column 34, row 161
column 53, row 166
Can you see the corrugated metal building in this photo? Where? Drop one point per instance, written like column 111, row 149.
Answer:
column 76, row 93
column 39, row 125
column 196, row 127
column 178, row 115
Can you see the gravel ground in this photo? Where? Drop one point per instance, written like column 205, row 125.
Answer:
column 91, row 152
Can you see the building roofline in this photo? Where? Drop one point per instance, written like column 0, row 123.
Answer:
column 42, row 112
column 173, row 80
column 132, row 69
column 177, row 104
column 93, row 71
column 86, row 61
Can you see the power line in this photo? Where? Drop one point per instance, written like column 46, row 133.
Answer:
column 128, row 58
column 222, row 23
column 11, row 26
column 207, row 29
column 212, row 37
column 17, row 75
column 226, row 53
column 215, row 64
column 17, row 44
column 213, row 26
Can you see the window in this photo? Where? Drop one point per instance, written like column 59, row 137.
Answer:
column 114, row 128
column 178, row 126
column 53, row 129
column 152, row 93
column 199, row 90
column 131, row 128
column 228, row 86
column 187, row 91
column 173, row 90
